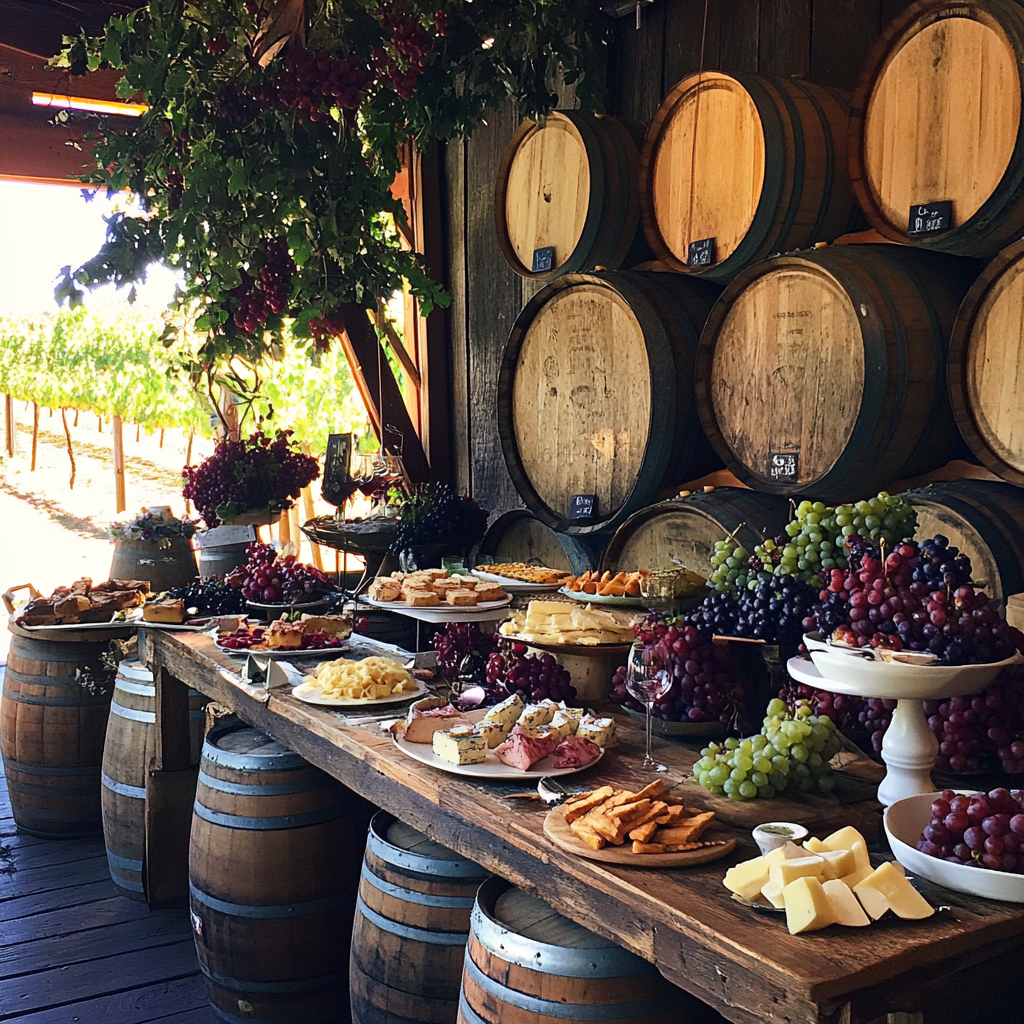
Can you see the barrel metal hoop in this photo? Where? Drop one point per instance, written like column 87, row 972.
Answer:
column 133, row 714
column 253, row 762
column 569, row 962
column 139, row 689
column 466, row 1011
column 423, row 899
column 244, row 985
column 407, row 931
column 65, row 770
column 280, row 822
column 277, row 912
column 127, row 883
column 241, row 789
column 124, row 863
column 122, row 788
column 568, row 1011
column 424, row 865
column 79, row 700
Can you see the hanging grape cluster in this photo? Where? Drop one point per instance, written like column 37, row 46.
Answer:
column 268, row 292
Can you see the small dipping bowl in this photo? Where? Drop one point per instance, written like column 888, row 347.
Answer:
column 773, row 834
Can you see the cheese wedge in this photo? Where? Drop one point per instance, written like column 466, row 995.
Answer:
column 788, row 871
column 772, row 892
column 902, row 898
column 814, row 845
column 807, row 906
column 843, row 839
column 871, row 899
column 844, row 904
column 747, row 878
column 859, row 849
column 856, row 877
column 838, row 863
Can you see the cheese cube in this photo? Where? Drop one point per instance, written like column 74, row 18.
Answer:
column 772, row 892
column 903, row 899
column 856, row 877
column 492, row 732
column 598, row 730
column 507, row 712
column 460, row 745
column 746, row 879
column 807, row 906
column 838, row 863
column 843, row 839
column 791, row 850
column 787, row 871
column 536, row 714
column 844, row 904
column 814, row 845
column 871, row 899
column 859, row 849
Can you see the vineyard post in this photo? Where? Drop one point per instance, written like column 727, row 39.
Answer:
column 11, row 427
column 35, row 433
column 119, row 495
column 284, row 529
column 293, row 529
column 71, row 454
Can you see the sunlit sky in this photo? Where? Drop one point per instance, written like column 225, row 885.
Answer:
column 45, row 227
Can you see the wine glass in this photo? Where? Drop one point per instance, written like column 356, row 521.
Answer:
column 648, row 679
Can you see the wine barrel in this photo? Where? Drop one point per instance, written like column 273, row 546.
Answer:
column 688, row 529
column 53, row 715
column 986, row 366
column 411, row 925
column 163, row 567
column 524, row 961
column 594, row 395
column 825, row 373
column 129, row 746
column 936, row 117
column 519, row 536
column 985, row 520
column 273, row 869
column 569, row 184
column 748, row 163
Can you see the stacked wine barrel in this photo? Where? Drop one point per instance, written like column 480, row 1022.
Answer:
column 828, row 372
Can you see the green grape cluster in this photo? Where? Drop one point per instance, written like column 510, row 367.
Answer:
column 791, row 749
column 812, row 542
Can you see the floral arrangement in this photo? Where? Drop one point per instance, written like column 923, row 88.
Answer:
column 255, row 475
column 159, row 527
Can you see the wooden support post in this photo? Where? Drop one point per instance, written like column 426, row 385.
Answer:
column 35, row 433
column 119, row 494
column 307, row 507
column 188, row 462
column 11, row 427
column 294, row 531
column 284, row 529
column 161, row 437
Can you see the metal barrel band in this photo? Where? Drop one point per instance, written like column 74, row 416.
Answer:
column 243, row 986
column 424, row 865
column 79, row 700
column 139, row 689
column 278, row 912
column 43, row 769
column 604, row 962
column 122, row 788
column 407, row 931
column 423, row 899
column 85, row 788
column 124, row 863
column 133, row 714
column 280, row 822
column 253, row 762
column 568, row 1011
column 243, row 789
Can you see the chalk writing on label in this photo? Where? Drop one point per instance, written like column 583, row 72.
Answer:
column 930, row 218
column 783, row 465
column 582, row 506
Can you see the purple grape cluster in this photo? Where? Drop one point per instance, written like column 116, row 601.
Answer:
column 984, row 830
column 266, row 577
column 243, row 476
column 462, row 651
column 777, row 610
column 510, row 670
column 256, row 298
column 312, row 82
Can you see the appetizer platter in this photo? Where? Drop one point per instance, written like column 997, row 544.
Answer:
column 606, row 587
column 436, row 589
column 558, row 624
column 603, row 599
column 370, row 681
column 282, row 639
column 519, row 578
column 82, row 605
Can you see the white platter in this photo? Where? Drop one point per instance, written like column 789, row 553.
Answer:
column 516, row 586
column 905, row 820
column 283, row 652
column 491, row 768
column 309, row 693
column 613, row 602
column 442, row 612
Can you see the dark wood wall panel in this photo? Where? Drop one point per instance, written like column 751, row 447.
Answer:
column 824, row 41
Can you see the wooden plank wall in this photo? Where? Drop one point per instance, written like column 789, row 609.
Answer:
column 824, row 41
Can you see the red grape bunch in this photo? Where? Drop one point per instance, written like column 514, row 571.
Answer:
column 311, row 82
column 268, row 578
column 510, row 670
column 267, row 293
column 981, row 830
column 462, row 652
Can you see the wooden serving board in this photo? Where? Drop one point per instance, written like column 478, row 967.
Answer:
column 556, row 829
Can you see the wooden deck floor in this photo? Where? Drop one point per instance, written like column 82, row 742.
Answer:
column 72, row 950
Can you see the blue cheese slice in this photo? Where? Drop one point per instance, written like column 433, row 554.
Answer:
column 507, row 712
column 536, row 714
column 564, row 724
column 460, row 745
column 598, row 730
column 493, row 733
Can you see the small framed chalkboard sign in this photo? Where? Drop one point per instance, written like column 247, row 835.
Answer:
column 583, row 506
column 930, row 218
column 543, row 259
column 701, row 253
column 783, row 466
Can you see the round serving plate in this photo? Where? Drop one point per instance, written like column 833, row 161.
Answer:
column 549, row 648
column 320, row 604
column 283, row 653
column 605, row 599
column 515, row 586
column 310, row 693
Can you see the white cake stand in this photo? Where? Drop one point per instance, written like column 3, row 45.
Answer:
column 909, row 746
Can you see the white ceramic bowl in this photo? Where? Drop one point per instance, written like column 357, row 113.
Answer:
column 768, row 841
column 905, row 820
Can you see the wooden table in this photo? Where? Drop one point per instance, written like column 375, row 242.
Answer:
column 743, row 963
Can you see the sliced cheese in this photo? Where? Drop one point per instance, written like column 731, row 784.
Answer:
column 747, row 878
column 856, row 877
column 814, row 845
column 844, row 904
column 902, row 898
column 871, row 899
column 843, row 839
column 859, row 849
column 787, row 871
column 772, row 892
column 838, row 863
column 807, row 906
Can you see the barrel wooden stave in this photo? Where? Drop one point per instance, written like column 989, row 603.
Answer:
column 985, row 520
column 689, row 528
column 164, row 568
column 51, row 736
column 129, row 746
column 270, row 938
column 519, row 536
column 986, row 366
column 754, row 162
column 595, row 394
column 410, row 929
column 572, row 973
column 777, row 373
column 956, row 70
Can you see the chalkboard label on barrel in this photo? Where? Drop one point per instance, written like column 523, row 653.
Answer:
column 583, row 506
column 783, row 465
column 543, row 259
column 701, row 253
column 930, row 218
